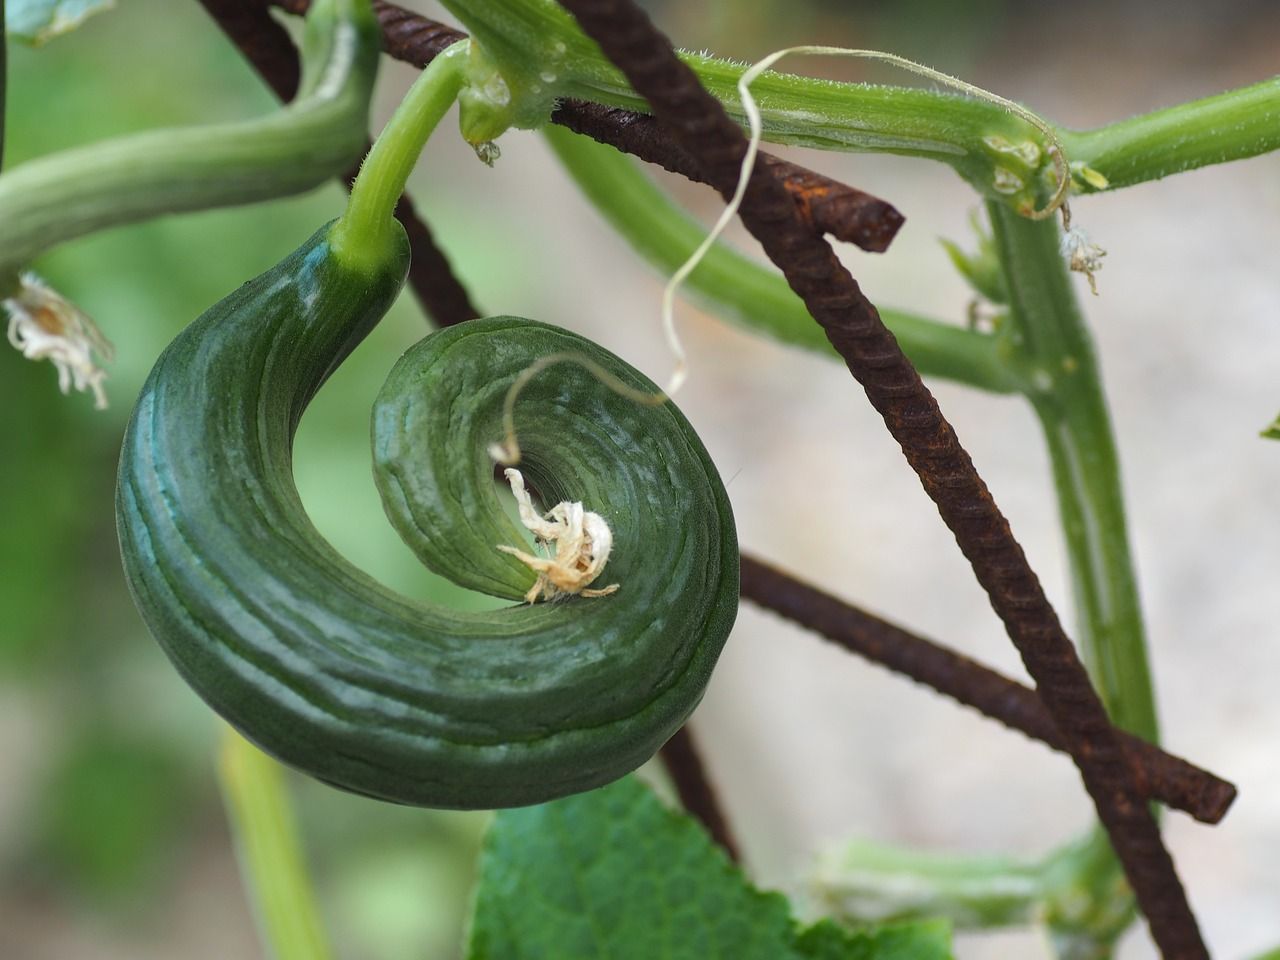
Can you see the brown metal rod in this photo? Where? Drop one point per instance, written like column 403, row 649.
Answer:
column 1165, row 777
column 698, row 122
column 683, row 761
column 826, row 205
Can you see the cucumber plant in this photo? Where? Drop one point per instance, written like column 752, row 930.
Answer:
column 334, row 674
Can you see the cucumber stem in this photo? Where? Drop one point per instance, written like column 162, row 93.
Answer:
column 366, row 230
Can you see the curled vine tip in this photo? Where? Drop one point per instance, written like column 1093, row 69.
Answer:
column 44, row 325
column 582, row 541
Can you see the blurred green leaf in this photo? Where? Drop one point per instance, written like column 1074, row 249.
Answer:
column 1272, row 431
column 36, row 22
column 111, row 812
column 615, row 874
column 43, row 511
column 982, row 267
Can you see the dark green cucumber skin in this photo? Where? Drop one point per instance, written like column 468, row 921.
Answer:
column 336, row 675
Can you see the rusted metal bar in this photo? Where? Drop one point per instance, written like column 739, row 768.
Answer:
column 266, row 45
column 1163, row 776
column 698, row 122
column 683, row 761
column 826, row 206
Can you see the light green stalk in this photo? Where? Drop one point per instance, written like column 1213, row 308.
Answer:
column 270, row 853
column 875, row 883
column 756, row 297
column 1230, row 126
column 52, row 199
column 367, row 228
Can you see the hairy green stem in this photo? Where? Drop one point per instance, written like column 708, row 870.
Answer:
column 756, row 297
column 1230, row 126
column 542, row 55
column 270, row 853
column 368, row 229
column 56, row 198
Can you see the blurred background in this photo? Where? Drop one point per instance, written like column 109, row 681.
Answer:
column 113, row 842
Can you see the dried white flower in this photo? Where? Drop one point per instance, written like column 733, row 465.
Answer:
column 1082, row 255
column 45, row 326
column 582, row 541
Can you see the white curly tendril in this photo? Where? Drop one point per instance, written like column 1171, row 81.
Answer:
column 43, row 325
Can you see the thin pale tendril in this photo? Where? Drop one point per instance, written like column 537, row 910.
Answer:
column 1056, row 150
column 508, row 451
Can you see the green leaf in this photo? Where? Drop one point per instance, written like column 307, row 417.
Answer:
column 1272, row 430
column 36, row 22
column 981, row 268
column 615, row 874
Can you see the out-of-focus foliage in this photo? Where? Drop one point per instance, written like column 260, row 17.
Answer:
column 38, row 21
column 113, row 812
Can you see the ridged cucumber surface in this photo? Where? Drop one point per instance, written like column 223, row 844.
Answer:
column 337, row 675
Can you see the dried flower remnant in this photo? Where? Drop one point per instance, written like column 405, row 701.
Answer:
column 43, row 325
column 1083, row 256
column 582, row 541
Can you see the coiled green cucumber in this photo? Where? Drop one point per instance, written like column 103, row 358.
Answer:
column 333, row 673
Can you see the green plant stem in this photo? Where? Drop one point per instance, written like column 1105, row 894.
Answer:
column 270, row 853
column 868, row 882
column 1230, row 126
column 367, row 229
column 756, row 297
column 1069, row 401
column 542, row 55
column 53, row 199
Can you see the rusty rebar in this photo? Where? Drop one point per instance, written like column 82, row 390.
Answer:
column 826, row 205
column 262, row 40
column 698, row 122
column 267, row 47
column 1163, row 776
column 683, row 760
